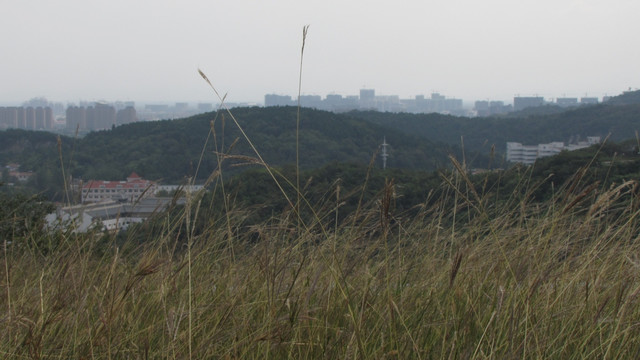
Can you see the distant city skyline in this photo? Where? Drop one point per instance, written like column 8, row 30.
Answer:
column 151, row 51
column 42, row 114
column 193, row 103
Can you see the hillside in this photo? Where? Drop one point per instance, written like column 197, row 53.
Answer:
column 479, row 134
column 172, row 150
column 532, row 261
column 468, row 275
column 611, row 164
column 626, row 98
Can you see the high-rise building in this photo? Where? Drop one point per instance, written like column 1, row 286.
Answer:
column 76, row 118
column 97, row 117
column 367, row 94
column 205, row 107
column 39, row 112
column 367, row 99
column 126, row 116
column 39, row 118
column 48, row 118
column 567, row 102
column 181, row 106
column 588, row 100
column 278, row 100
column 8, row 117
column 311, row 101
column 31, row 118
column 523, row 102
column 21, row 122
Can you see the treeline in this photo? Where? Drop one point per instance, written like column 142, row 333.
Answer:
column 620, row 122
column 175, row 150
column 337, row 193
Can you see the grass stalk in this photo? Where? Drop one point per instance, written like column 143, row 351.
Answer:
column 304, row 40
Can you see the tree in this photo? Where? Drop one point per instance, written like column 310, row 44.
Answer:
column 23, row 216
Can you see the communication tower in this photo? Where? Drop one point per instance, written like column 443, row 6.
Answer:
column 385, row 153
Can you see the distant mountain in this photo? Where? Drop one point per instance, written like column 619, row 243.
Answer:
column 480, row 134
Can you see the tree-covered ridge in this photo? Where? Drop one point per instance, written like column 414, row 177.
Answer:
column 626, row 98
column 480, row 134
column 171, row 149
column 36, row 151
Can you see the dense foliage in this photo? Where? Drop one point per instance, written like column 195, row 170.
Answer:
column 175, row 150
column 528, row 262
column 481, row 134
column 22, row 217
column 468, row 276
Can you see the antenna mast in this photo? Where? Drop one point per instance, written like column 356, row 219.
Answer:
column 385, row 153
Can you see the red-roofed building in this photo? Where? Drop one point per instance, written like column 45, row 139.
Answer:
column 124, row 191
column 22, row 176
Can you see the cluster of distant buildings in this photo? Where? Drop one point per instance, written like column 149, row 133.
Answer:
column 368, row 100
column 28, row 118
column 12, row 173
column 97, row 116
column 115, row 205
column 39, row 114
column 527, row 154
column 488, row 108
column 437, row 103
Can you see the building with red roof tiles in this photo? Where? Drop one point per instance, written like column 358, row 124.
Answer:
column 130, row 190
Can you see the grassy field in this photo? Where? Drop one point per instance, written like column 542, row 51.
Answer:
column 471, row 274
column 468, row 277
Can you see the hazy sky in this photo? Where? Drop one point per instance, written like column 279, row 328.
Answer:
column 72, row 50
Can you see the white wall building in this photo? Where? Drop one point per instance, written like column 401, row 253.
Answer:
column 186, row 188
column 108, row 215
column 527, row 154
column 127, row 191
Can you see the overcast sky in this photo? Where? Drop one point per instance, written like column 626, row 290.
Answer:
column 145, row 51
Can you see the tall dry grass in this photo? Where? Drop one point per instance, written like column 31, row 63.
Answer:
column 469, row 276
column 523, row 280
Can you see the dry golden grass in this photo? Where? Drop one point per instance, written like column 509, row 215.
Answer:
column 468, row 277
column 553, row 280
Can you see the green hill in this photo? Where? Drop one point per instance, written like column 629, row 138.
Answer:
column 626, row 98
column 479, row 134
column 173, row 150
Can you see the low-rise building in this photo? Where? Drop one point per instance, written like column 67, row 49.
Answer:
column 108, row 215
column 169, row 189
column 527, row 154
column 21, row 176
column 130, row 190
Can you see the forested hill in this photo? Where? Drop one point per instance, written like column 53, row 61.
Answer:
column 626, row 98
column 479, row 134
column 171, row 149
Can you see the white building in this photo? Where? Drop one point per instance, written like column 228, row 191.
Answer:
column 186, row 188
column 527, row 154
column 127, row 191
column 108, row 215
